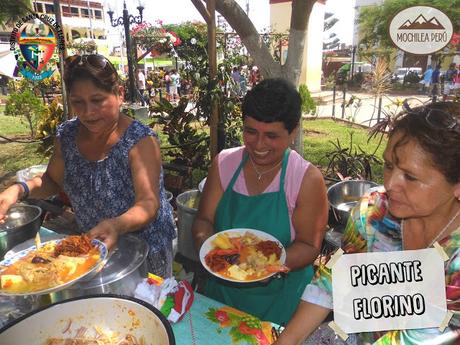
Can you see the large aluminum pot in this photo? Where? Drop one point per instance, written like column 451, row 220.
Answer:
column 187, row 207
column 125, row 268
column 22, row 223
column 110, row 313
column 344, row 195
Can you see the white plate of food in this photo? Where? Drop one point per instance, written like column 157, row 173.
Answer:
column 55, row 265
column 243, row 255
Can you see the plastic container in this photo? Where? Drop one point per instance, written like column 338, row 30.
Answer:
column 187, row 207
column 30, row 172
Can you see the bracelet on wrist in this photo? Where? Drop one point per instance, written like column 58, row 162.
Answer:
column 26, row 189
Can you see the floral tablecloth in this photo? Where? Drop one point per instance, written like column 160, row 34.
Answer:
column 211, row 322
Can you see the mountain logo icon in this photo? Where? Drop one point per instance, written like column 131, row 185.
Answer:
column 421, row 23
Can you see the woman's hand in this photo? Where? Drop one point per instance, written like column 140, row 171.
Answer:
column 8, row 198
column 305, row 321
column 107, row 232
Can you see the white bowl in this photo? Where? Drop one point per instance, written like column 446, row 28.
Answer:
column 110, row 313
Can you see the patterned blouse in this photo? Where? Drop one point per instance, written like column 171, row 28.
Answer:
column 104, row 189
column 371, row 229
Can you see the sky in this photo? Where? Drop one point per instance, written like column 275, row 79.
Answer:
column 177, row 11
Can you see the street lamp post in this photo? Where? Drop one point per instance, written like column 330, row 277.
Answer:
column 126, row 20
column 352, row 69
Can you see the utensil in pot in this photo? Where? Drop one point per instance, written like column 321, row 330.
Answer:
column 22, row 223
column 121, row 315
column 201, row 185
column 344, row 195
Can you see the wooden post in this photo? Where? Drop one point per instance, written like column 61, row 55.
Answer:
column 209, row 15
column 214, row 120
column 62, row 57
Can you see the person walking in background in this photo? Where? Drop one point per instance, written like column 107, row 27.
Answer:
column 426, row 81
column 244, row 80
column 254, row 76
column 435, row 82
column 174, row 87
column 457, row 81
column 140, row 80
column 167, row 82
column 236, row 78
column 449, row 80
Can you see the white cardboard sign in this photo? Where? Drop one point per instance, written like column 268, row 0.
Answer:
column 389, row 291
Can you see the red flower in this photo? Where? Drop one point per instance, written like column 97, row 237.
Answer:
column 222, row 316
column 257, row 332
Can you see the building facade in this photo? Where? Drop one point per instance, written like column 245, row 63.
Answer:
column 82, row 20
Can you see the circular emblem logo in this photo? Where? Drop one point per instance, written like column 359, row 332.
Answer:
column 33, row 41
column 421, row 30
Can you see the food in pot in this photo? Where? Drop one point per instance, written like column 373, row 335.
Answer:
column 244, row 257
column 95, row 336
column 52, row 264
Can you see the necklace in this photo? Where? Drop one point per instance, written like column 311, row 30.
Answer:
column 262, row 173
column 438, row 236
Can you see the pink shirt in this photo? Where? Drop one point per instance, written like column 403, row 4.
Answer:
column 229, row 160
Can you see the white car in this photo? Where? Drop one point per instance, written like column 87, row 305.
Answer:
column 403, row 71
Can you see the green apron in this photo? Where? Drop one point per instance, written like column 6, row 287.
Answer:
column 276, row 300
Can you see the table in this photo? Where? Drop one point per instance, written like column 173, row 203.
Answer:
column 197, row 329
column 199, row 326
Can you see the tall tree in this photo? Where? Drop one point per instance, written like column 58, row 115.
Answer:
column 12, row 11
column 240, row 22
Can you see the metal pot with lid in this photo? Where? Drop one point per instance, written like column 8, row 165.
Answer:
column 125, row 268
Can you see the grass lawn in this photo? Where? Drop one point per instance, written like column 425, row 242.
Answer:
column 318, row 134
column 16, row 156
column 11, row 126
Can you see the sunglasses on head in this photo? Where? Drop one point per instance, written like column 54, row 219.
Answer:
column 436, row 118
column 94, row 61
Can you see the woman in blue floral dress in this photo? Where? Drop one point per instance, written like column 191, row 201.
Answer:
column 108, row 164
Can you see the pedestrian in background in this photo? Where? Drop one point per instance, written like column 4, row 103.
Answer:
column 426, row 81
column 174, row 87
column 449, row 80
column 140, row 80
column 435, row 82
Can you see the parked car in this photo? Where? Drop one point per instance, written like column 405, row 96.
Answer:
column 408, row 74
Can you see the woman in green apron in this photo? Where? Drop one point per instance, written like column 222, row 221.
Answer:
column 266, row 186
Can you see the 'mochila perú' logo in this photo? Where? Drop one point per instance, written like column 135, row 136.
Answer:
column 33, row 41
column 421, row 30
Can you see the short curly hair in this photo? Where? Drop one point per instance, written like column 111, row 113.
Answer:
column 442, row 144
column 273, row 100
